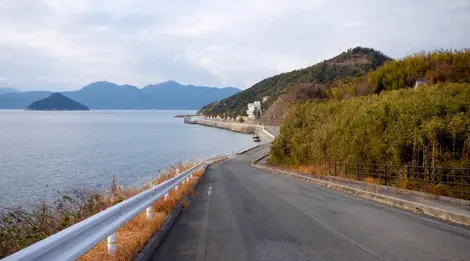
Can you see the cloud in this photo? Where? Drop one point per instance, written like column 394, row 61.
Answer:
column 3, row 81
column 65, row 44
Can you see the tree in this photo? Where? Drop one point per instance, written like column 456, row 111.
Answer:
column 257, row 114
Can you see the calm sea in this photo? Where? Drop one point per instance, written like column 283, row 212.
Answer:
column 45, row 152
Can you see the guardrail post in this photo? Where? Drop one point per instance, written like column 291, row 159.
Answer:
column 148, row 212
column 112, row 243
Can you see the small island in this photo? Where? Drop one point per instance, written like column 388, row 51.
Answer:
column 57, row 102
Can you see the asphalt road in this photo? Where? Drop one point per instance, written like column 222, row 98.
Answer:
column 243, row 213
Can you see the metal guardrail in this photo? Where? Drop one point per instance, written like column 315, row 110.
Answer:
column 73, row 242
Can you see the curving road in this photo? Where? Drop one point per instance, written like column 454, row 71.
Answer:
column 243, row 213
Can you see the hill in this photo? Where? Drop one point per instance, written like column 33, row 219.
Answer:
column 349, row 64
column 106, row 95
column 57, row 102
column 430, row 67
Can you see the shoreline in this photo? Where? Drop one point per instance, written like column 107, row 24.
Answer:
column 259, row 130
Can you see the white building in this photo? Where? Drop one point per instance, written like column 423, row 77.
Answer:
column 251, row 109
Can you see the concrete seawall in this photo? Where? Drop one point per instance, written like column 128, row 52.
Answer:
column 238, row 127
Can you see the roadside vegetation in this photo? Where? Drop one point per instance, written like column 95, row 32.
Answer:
column 427, row 126
column 424, row 126
column 20, row 228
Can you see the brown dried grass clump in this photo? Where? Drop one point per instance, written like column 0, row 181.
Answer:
column 305, row 169
column 370, row 180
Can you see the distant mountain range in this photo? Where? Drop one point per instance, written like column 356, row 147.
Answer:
column 6, row 89
column 107, row 96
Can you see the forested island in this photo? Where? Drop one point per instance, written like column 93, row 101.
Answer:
column 57, row 102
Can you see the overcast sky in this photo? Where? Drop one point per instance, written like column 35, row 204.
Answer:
column 65, row 44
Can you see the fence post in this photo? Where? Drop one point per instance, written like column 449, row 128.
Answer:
column 112, row 243
column 386, row 174
column 407, row 172
column 346, row 169
column 462, row 188
column 329, row 168
column 335, row 169
column 358, row 172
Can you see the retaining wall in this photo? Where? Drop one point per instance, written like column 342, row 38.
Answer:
column 237, row 127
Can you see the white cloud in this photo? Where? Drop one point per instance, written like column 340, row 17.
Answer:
column 64, row 44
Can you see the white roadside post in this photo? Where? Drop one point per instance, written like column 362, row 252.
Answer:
column 177, row 173
column 112, row 243
column 148, row 212
column 166, row 196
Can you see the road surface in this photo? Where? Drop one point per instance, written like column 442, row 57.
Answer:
column 243, row 213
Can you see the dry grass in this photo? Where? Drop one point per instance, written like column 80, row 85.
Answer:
column 133, row 236
column 370, row 180
column 437, row 190
column 311, row 170
column 305, row 169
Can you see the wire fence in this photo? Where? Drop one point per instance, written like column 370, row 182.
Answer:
column 445, row 181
